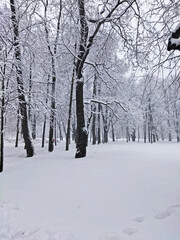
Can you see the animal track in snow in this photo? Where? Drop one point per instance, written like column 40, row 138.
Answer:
column 175, row 206
column 129, row 231
column 165, row 214
column 110, row 236
column 138, row 219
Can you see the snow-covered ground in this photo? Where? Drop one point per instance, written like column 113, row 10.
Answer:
column 119, row 191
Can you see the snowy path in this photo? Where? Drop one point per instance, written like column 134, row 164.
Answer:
column 119, row 191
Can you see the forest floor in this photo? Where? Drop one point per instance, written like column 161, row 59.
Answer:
column 120, row 191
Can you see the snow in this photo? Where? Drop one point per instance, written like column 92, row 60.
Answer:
column 120, row 191
column 175, row 41
column 176, row 28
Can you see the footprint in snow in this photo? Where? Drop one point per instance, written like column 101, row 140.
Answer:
column 175, row 206
column 110, row 236
column 138, row 220
column 130, row 231
column 165, row 214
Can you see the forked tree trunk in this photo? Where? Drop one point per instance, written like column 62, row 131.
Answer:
column 22, row 102
column 85, row 45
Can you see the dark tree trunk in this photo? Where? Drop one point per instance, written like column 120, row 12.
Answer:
column 55, row 132
column 81, row 134
column 70, row 109
column 53, row 53
column 44, row 131
column 176, row 122
column 105, row 124
column 133, row 135
column 99, row 123
column 30, row 90
column 44, row 124
column 99, row 116
column 22, row 102
column 145, row 125
column 94, row 111
column 85, row 45
column 2, row 125
column 127, row 134
column 52, row 114
column 139, row 135
column 112, row 127
column 94, row 124
column 150, row 124
column 17, row 128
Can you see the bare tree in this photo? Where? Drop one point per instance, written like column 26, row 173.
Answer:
column 21, row 95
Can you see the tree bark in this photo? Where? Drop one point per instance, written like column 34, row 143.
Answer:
column 94, row 111
column 34, row 127
column 17, row 128
column 2, row 123
column 22, row 102
column 45, row 117
column 70, row 108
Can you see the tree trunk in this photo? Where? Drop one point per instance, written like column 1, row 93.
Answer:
column 127, row 134
column 60, row 132
column 2, row 125
column 17, row 130
column 22, row 102
column 105, row 124
column 55, row 132
column 34, row 127
column 133, row 135
column 94, row 111
column 73, row 130
column 81, row 133
column 44, row 125
column 52, row 114
column 112, row 127
column 44, row 131
column 99, row 115
column 70, row 109
column 176, row 117
column 30, row 90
